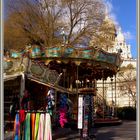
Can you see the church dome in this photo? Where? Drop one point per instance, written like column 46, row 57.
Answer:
column 109, row 27
column 109, row 24
column 120, row 37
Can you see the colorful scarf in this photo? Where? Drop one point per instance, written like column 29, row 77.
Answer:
column 47, row 131
column 37, row 124
column 21, row 116
column 63, row 110
column 62, row 119
column 21, row 120
column 50, row 101
column 27, row 127
column 33, row 125
column 16, row 128
column 41, row 128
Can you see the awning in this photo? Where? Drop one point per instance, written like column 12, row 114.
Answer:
column 11, row 77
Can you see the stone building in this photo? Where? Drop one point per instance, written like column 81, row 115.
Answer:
column 120, row 91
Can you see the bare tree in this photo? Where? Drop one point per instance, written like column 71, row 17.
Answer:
column 127, row 79
column 52, row 22
column 83, row 18
column 105, row 37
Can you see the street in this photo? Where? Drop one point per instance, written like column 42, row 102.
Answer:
column 125, row 131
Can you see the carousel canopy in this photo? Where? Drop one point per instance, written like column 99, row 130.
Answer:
column 96, row 61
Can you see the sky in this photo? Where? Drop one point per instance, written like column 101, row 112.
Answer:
column 123, row 12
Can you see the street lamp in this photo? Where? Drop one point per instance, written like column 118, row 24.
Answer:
column 112, row 98
column 130, row 93
column 63, row 36
column 64, row 71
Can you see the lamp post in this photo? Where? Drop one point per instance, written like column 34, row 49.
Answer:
column 112, row 98
column 63, row 36
column 64, row 71
column 115, row 98
column 103, row 100
column 130, row 93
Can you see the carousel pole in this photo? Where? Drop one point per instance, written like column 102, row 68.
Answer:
column 64, row 71
column 103, row 97
column 115, row 98
column 22, row 86
column 112, row 97
column 77, row 82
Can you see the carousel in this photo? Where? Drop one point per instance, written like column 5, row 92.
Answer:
column 68, row 75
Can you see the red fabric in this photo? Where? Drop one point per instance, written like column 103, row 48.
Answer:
column 21, row 116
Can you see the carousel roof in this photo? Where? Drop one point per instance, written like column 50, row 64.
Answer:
column 88, row 59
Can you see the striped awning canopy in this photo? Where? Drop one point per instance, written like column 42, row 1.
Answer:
column 95, row 60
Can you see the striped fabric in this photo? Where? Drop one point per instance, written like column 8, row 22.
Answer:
column 21, row 116
column 37, row 124
column 27, row 127
column 33, row 125
column 41, row 128
column 21, row 120
column 47, row 131
column 16, row 128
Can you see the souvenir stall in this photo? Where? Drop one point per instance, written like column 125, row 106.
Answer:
column 68, row 77
column 80, row 69
column 13, row 78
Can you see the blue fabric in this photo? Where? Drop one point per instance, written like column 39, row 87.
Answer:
column 17, row 128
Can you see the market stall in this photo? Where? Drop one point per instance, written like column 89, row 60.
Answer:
column 68, row 71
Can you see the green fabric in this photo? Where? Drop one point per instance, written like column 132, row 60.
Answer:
column 37, row 125
column 27, row 127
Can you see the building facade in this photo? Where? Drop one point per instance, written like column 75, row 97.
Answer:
column 120, row 90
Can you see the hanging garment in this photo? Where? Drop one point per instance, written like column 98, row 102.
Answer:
column 47, row 130
column 17, row 128
column 62, row 119
column 36, row 124
column 21, row 120
column 41, row 128
column 21, row 116
column 33, row 125
column 27, row 127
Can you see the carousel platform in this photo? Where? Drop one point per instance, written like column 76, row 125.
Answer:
column 107, row 122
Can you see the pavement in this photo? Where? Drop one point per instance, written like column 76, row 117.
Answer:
column 124, row 131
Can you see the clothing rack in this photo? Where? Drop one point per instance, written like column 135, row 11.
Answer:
column 33, row 111
column 32, row 125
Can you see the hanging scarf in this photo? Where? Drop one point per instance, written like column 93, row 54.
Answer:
column 50, row 100
column 47, row 131
column 37, row 124
column 62, row 119
column 63, row 110
column 27, row 127
column 21, row 116
column 16, row 128
column 33, row 125
column 41, row 128
column 21, row 120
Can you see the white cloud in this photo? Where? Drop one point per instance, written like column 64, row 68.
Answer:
column 110, row 12
column 128, row 35
column 109, row 6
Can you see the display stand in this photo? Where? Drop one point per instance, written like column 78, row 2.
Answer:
column 85, row 112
